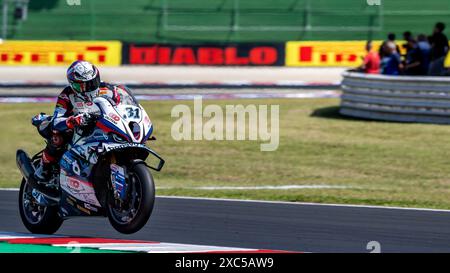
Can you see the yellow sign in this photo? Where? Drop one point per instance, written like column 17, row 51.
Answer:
column 332, row 53
column 106, row 53
column 318, row 53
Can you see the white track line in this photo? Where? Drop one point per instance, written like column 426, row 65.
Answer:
column 219, row 83
column 268, row 187
column 301, row 203
column 156, row 247
column 290, row 203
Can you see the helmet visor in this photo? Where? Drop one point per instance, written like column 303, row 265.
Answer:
column 87, row 86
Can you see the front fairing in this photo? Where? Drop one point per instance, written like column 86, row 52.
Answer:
column 127, row 120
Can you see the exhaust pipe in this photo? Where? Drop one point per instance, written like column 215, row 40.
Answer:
column 27, row 170
column 24, row 164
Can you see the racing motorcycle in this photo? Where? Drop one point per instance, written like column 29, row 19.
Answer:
column 104, row 172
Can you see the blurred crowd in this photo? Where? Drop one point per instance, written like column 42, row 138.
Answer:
column 422, row 55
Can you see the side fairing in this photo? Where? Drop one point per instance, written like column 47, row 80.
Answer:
column 76, row 166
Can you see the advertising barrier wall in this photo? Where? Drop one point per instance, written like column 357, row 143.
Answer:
column 326, row 53
column 115, row 53
column 332, row 53
column 243, row 54
column 106, row 53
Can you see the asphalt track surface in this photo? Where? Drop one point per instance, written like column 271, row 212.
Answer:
column 265, row 225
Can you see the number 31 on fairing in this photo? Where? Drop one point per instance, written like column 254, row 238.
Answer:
column 133, row 112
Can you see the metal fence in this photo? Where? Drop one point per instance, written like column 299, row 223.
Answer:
column 177, row 21
column 296, row 16
column 167, row 17
column 12, row 10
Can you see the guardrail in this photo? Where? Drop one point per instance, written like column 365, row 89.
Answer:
column 396, row 98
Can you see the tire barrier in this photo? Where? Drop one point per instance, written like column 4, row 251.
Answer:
column 396, row 98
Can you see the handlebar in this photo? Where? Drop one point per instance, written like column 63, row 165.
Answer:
column 91, row 118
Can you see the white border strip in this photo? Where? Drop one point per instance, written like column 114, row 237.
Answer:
column 295, row 83
column 285, row 202
column 301, row 203
column 138, row 246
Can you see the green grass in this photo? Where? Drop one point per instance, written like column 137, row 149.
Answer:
column 383, row 163
column 143, row 20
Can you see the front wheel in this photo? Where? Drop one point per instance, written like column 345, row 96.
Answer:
column 37, row 218
column 131, row 216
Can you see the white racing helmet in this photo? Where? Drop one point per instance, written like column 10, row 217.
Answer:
column 84, row 79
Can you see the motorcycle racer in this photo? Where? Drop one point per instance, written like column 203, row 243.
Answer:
column 94, row 163
column 70, row 112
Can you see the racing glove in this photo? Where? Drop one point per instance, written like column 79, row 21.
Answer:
column 76, row 121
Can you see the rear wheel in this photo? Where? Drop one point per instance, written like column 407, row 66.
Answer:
column 131, row 216
column 37, row 218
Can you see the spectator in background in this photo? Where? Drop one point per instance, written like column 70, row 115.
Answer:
column 425, row 49
column 371, row 62
column 413, row 58
column 390, row 38
column 391, row 62
column 439, row 49
column 407, row 35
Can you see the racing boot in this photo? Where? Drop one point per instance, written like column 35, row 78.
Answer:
column 42, row 173
column 41, row 177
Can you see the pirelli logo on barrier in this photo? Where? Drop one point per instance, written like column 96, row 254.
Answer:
column 243, row 54
column 106, row 53
column 326, row 53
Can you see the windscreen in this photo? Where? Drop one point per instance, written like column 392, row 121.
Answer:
column 126, row 98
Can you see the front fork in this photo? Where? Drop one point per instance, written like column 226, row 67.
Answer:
column 118, row 181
